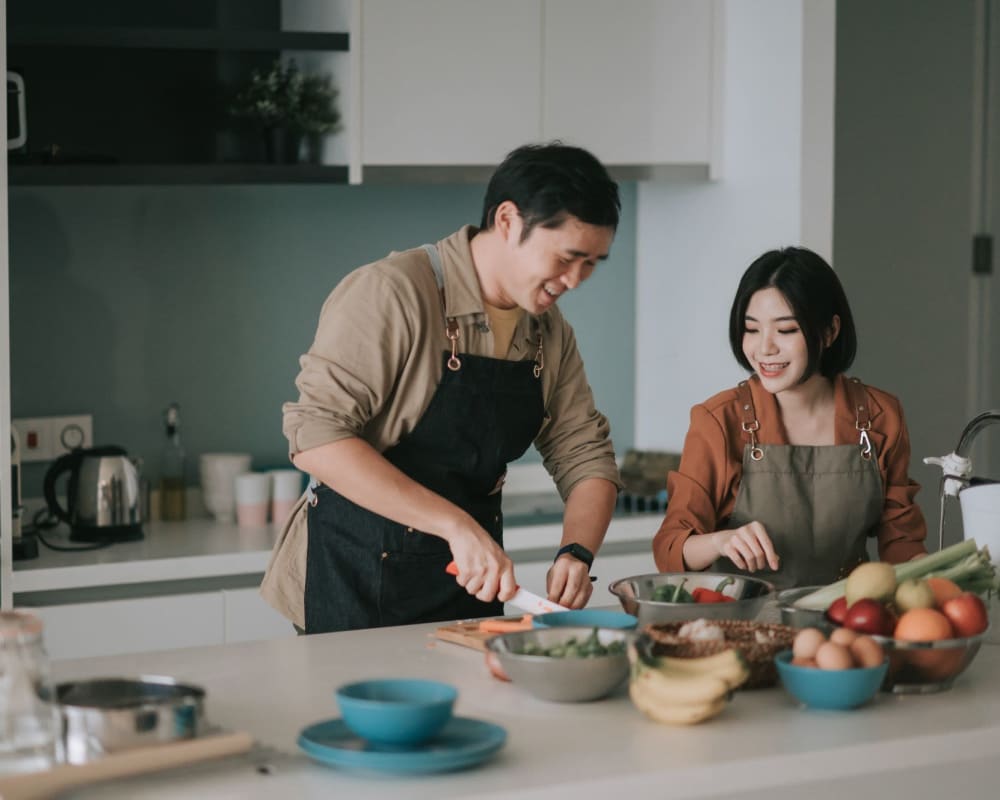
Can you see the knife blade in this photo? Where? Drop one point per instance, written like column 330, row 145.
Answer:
column 523, row 599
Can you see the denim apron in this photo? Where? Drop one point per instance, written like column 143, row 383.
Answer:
column 365, row 571
column 817, row 503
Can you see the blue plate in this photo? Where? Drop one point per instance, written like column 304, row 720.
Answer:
column 463, row 742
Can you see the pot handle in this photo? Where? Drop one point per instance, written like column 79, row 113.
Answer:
column 64, row 463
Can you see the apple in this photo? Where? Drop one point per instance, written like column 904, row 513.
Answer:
column 914, row 593
column 837, row 611
column 967, row 614
column 870, row 616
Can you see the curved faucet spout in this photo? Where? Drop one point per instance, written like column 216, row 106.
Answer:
column 972, row 429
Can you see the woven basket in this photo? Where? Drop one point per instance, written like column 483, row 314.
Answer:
column 740, row 634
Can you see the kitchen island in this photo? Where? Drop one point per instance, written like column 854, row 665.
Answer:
column 762, row 746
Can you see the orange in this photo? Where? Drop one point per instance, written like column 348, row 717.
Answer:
column 928, row 625
column 943, row 589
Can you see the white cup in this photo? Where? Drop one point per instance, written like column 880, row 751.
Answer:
column 286, row 489
column 253, row 494
column 218, row 473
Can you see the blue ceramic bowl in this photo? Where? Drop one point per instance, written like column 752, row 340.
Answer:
column 829, row 688
column 400, row 712
column 585, row 618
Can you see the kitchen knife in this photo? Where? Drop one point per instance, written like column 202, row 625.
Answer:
column 523, row 599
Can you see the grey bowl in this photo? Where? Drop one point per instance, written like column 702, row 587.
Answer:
column 564, row 680
column 636, row 596
column 801, row 617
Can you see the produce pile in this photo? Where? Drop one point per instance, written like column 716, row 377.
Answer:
column 590, row 647
column 676, row 593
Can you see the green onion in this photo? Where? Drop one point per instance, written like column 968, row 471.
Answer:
column 964, row 563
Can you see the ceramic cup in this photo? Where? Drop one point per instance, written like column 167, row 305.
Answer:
column 253, row 495
column 286, row 489
column 218, row 473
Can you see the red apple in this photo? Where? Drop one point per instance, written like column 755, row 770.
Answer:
column 837, row 611
column 870, row 616
column 967, row 614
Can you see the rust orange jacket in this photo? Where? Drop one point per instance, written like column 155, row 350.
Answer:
column 702, row 492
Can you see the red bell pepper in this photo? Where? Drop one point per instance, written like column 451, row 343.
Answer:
column 702, row 595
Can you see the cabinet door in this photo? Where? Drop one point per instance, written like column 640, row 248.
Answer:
column 449, row 81
column 632, row 82
column 249, row 618
column 131, row 626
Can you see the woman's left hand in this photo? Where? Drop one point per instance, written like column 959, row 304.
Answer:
column 568, row 582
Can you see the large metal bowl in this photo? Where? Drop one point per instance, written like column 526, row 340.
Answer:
column 636, row 596
column 568, row 679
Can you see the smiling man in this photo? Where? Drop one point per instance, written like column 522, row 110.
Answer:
column 431, row 370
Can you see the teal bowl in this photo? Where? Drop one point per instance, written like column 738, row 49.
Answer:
column 585, row 618
column 829, row 688
column 401, row 712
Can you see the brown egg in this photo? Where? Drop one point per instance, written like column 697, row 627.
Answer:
column 804, row 662
column 867, row 652
column 806, row 643
column 833, row 656
column 843, row 637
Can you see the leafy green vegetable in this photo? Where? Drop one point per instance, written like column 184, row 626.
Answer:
column 590, row 647
column 672, row 593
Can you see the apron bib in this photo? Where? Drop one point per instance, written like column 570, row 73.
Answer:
column 817, row 503
column 363, row 570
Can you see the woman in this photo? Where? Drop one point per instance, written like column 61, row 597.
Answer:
column 788, row 473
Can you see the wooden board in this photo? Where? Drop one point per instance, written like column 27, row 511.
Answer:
column 468, row 634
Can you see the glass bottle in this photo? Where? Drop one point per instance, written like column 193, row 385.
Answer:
column 172, row 468
column 29, row 717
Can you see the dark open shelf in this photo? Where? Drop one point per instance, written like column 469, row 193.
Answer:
column 173, row 38
column 172, row 174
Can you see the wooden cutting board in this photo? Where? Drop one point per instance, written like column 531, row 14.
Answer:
column 468, row 634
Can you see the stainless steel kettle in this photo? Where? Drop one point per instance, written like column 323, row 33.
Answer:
column 103, row 498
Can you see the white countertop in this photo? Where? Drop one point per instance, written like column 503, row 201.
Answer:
column 762, row 745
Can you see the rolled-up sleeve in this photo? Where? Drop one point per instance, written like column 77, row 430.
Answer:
column 348, row 374
column 575, row 438
column 695, row 492
column 902, row 528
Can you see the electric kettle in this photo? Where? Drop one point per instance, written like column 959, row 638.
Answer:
column 103, row 498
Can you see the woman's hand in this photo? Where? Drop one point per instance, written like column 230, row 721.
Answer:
column 748, row 547
column 568, row 582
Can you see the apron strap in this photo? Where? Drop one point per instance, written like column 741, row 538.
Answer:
column 451, row 330
column 863, row 420
column 749, row 414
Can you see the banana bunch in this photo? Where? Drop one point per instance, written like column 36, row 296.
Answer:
column 683, row 691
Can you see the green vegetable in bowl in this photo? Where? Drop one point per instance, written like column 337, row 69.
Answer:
column 672, row 593
column 590, row 647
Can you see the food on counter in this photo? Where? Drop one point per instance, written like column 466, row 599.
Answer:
column 673, row 593
column 844, row 649
column 914, row 593
column 676, row 593
column 874, row 580
column 837, row 611
column 495, row 667
column 943, row 589
column 702, row 630
column 964, row 564
column 590, row 647
column 870, row 616
column 967, row 614
column 684, row 691
column 506, row 625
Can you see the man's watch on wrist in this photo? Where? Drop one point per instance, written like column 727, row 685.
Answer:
column 578, row 551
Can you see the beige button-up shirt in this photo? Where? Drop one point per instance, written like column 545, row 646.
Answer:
column 376, row 362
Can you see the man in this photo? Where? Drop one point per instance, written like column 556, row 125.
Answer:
column 431, row 370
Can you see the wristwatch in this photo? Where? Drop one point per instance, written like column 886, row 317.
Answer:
column 578, row 551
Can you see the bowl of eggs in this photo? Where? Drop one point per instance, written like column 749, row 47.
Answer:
column 843, row 671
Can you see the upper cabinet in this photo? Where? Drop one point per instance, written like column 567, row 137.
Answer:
column 462, row 82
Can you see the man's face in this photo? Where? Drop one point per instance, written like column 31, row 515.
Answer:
column 550, row 261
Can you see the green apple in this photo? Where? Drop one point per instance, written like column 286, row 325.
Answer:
column 914, row 593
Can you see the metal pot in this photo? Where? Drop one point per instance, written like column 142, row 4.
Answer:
column 108, row 715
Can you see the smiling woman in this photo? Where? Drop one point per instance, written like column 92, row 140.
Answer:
column 787, row 474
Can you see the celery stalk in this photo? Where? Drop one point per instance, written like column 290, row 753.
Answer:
column 932, row 563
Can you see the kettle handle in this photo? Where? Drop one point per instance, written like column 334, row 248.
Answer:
column 64, row 463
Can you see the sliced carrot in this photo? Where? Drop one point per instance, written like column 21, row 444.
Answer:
column 506, row 625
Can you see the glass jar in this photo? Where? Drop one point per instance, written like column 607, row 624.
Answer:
column 29, row 719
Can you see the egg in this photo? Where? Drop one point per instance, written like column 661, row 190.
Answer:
column 806, row 643
column 831, row 655
column 843, row 636
column 867, row 652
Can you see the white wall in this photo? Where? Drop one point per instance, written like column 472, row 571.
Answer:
column 694, row 240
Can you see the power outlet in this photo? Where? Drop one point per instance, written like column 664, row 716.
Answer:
column 47, row 438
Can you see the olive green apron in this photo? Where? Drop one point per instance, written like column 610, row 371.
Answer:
column 817, row 503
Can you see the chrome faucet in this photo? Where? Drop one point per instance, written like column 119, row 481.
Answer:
column 956, row 466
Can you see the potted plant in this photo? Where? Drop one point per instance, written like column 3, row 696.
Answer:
column 287, row 105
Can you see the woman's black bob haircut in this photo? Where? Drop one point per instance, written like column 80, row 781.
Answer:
column 812, row 289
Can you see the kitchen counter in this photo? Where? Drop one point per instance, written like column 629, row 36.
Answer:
column 762, row 746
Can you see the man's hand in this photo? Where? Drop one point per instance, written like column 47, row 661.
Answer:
column 568, row 582
column 484, row 569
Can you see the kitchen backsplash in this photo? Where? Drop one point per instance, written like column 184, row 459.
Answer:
column 124, row 299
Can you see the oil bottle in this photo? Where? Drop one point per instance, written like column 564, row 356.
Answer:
column 172, row 468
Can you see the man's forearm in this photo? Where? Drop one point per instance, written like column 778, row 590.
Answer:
column 588, row 512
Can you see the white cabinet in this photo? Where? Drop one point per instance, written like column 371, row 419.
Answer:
column 462, row 82
column 633, row 82
column 248, row 618
column 448, row 81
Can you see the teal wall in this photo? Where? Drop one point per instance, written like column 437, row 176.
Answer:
column 124, row 299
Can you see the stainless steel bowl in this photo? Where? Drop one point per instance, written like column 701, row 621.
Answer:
column 636, row 596
column 801, row 617
column 107, row 715
column 569, row 679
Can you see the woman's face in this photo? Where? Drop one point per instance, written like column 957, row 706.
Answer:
column 773, row 342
